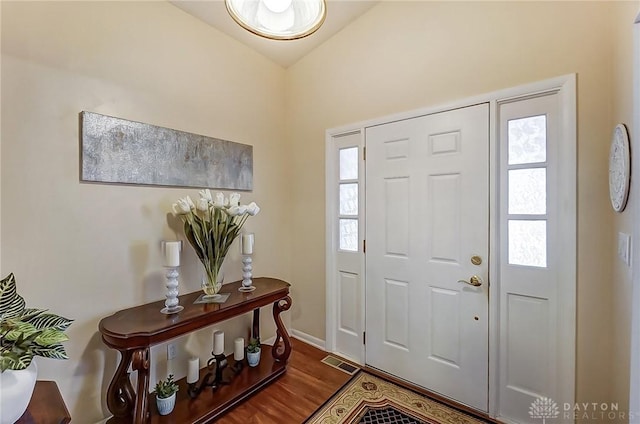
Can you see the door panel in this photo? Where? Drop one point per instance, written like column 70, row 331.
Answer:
column 427, row 215
column 396, row 314
column 525, row 335
column 396, row 203
column 349, row 294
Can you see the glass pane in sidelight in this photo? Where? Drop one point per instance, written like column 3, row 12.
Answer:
column 528, row 140
column 349, row 234
column 348, row 199
column 528, row 243
column 349, row 163
column 528, row 191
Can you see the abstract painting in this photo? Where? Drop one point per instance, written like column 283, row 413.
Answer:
column 116, row 150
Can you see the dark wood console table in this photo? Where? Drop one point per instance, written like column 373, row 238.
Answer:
column 133, row 331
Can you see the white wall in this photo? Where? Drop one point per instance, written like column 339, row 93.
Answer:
column 87, row 250
column 407, row 55
column 621, row 281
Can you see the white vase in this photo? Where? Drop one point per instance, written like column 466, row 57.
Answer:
column 253, row 358
column 166, row 405
column 16, row 388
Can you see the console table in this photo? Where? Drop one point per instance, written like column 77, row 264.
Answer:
column 133, row 331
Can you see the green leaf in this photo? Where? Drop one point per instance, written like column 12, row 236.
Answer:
column 51, row 336
column 30, row 313
column 44, row 321
column 11, row 361
column 19, row 331
column 55, row 351
column 11, row 303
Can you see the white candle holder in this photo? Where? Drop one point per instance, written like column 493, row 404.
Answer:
column 246, row 274
column 171, row 305
column 246, row 246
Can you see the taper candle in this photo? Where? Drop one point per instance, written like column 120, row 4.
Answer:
column 247, row 244
column 172, row 253
column 238, row 349
column 193, row 372
column 218, row 343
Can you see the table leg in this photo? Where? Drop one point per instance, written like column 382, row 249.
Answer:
column 120, row 395
column 255, row 332
column 281, row 352
column 141, row 364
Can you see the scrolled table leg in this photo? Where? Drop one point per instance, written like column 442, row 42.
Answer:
column 120, row 395
column 141, row 364
column 282, row 346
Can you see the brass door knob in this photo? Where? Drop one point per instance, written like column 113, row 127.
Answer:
column 474, row 281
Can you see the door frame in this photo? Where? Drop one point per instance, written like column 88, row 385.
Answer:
column 634, row 389
column 566, row 87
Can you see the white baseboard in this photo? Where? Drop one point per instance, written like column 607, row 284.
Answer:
column 297, row 334
column 270, row 341
column 309, row 339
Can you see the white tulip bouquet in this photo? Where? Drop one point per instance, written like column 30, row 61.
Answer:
column 211, row 225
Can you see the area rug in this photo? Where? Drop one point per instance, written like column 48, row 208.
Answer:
column 367, row 399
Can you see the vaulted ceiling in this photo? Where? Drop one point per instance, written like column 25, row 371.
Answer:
column 285, row 53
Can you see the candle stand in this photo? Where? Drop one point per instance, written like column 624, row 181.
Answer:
column 213, row 378
column 246, row 247
column 247, row 283
column 172, row 262
column 171, row 305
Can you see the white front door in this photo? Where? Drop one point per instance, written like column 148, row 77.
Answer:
column 427, row 241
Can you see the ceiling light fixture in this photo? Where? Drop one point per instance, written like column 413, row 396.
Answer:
column 278, row 19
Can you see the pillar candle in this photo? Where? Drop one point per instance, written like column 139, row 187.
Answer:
column 247, row 244
column 218, row 343
column 193, row 372
column 238, row 349
column 172, row 253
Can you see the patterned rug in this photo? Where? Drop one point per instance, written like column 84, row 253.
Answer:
column 367, row 399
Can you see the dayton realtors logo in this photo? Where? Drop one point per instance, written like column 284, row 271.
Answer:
column 544, row 408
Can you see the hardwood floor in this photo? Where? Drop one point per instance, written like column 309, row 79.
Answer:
column 292, row 398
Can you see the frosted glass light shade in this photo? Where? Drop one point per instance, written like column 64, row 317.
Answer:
column 278, row 19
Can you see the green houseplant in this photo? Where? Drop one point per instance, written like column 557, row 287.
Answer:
column 24, row 334
column 165, row 388
column 166, row 395
column 253, row 352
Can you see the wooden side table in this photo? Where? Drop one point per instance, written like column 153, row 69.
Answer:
column 133, row 331
column 46, row 406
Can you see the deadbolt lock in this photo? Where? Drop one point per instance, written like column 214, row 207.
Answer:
column 476, row 260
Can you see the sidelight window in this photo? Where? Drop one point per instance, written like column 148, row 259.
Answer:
column 348, row 199
column 527, row 191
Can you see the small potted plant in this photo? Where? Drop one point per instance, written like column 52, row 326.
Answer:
column 253, row 352
column 166, row 395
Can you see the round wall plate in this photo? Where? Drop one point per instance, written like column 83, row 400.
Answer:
column 619, row 168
